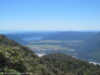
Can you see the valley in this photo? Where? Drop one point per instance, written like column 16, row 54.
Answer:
column 53, row 46
column 49, row 57
column 80, row 45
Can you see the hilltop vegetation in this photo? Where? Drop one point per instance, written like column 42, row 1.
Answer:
column 19, row 60
column 15, row 58
column 62, row 64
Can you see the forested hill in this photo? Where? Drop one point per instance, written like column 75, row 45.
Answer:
column 19, row 60
column 94, row 42
column 4, row 41
column 92, row 48
column 62, row 64
column 16, row 59
column 70, row 36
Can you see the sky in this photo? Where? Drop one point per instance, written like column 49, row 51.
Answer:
column 49, row 15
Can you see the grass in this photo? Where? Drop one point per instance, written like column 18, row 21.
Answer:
column 54, row 42
column 46, row 46
column 49, row 47
column 54, row 45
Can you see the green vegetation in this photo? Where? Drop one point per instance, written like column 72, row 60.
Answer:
column 62, row 64
column 53, row 41
column 19, row 60
column 45, row 46
column 16, row 59
column 48, row 47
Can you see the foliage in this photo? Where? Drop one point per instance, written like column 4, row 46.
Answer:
column 62, row 64
column 20, row 60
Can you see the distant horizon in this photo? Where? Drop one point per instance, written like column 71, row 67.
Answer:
column 14, row 32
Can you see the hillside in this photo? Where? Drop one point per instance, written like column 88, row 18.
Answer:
column 19, row 60
column 92, row 48
column 62, row 64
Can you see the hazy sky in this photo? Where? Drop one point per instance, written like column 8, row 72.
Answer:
column 49, row 15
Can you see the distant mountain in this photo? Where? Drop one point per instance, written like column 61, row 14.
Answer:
column 19, row 60
column 17, row 39
column 24, row 38
column 69, row 36
column 91, row 51
column 28, row 34
column 94, row 42
column 25, row 35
